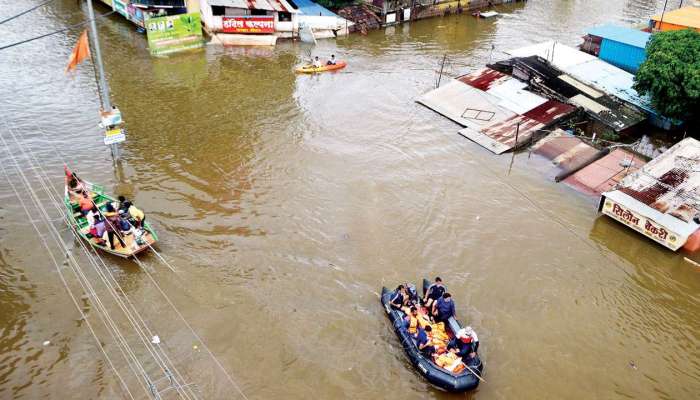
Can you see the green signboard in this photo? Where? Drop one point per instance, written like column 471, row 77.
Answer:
column 174, row 33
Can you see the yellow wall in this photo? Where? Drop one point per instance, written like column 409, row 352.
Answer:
column 665, row 26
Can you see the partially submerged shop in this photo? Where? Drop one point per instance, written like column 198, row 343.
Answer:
column 138, row 11
column 661, row 200
column 254, row 22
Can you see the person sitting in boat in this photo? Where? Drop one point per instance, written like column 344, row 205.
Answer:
column 444, row 308
column 332, row 60
column 98, row 229
column 137, row 216
column 415, row 320
column 316, row 63
column 424, row 342
column 75, row 187
column 85, row 203
column 465, row 343
column 113, row 226
column 400, row 298
column 434, row 292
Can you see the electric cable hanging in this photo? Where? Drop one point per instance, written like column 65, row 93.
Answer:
column 57, row 31
column 25, row 12
column 162, row 292
column 177, row 386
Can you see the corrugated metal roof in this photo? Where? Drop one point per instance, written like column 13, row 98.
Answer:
column 465, row 105
column 566, row 151
column 686, row 16
column 483, row 79
column 500, row 136
column 308, row 7
column 604, row 174
column 629, row 36
column 670, row 183
column 268, row 5
column 514, row 96
column 589, row 70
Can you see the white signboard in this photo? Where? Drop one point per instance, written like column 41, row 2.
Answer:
column 643, row 225
column 116, row 135
column 391, row 18
column 406, row 14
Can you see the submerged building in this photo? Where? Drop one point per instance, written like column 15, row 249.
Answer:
column 622, row 47
column 661, row 200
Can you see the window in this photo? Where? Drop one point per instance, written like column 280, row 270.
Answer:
column 218, row 10
column 284, row 16
column 258, row 12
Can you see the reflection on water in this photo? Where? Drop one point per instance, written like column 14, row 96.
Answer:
column 285, row 202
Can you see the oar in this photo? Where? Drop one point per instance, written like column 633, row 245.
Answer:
column 474, row 372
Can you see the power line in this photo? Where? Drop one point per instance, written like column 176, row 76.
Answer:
column 25, row 12
column 55, row 32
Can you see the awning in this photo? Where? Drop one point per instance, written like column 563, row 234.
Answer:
column 268, row 5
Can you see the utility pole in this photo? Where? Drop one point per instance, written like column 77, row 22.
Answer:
column 101, row 81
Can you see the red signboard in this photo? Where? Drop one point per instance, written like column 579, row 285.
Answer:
column 249, row 24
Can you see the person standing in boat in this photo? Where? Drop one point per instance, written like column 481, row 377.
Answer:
column 112, row 226
column 434, row 292
column 444, row 308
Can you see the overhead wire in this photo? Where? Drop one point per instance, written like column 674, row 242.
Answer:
column 111, row 286
column 25, row 12
column 166, row 297
column 37, row 204
column 56, row 31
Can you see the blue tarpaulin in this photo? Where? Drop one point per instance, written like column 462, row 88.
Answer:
column 308, row 7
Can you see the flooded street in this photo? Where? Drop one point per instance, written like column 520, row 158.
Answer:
column 285, row 202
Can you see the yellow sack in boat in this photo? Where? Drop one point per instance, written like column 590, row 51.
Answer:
column 446, row 360
column 136, row 213
column 423, row 320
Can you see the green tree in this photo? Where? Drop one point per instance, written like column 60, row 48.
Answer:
column 671, row 73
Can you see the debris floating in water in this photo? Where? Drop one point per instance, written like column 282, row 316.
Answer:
column 633, row 365
column 155, row 339
column 47, row 342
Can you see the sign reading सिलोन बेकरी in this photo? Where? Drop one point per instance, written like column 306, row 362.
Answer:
column 174, row 33
column 249, row 24
column 641, row 224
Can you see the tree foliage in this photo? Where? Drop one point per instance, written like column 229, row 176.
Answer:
column 671, row 73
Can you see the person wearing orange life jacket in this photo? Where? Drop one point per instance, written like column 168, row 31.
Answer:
column 85, row 203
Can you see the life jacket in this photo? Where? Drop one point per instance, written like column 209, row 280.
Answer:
column 412, row 325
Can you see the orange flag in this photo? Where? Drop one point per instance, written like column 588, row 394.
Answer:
column 80, row 52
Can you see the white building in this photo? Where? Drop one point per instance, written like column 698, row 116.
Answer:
column 249, row 22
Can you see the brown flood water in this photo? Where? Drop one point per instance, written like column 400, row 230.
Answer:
column 285, row 202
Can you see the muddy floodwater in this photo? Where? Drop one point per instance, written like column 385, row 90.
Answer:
column 285, row 202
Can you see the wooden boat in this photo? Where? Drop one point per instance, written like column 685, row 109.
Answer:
column 136, row 242
column 441, row 378
column 310, row 69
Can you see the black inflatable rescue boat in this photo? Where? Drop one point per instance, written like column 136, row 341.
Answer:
column 441, row 378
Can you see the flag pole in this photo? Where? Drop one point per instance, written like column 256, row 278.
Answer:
column 101, row 81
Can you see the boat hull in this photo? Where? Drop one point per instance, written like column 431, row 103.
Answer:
column 79, row 225
column 438, row 377
column 323, row 68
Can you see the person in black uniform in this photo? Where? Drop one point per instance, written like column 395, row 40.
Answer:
column 434, row 292
column 399, row 299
